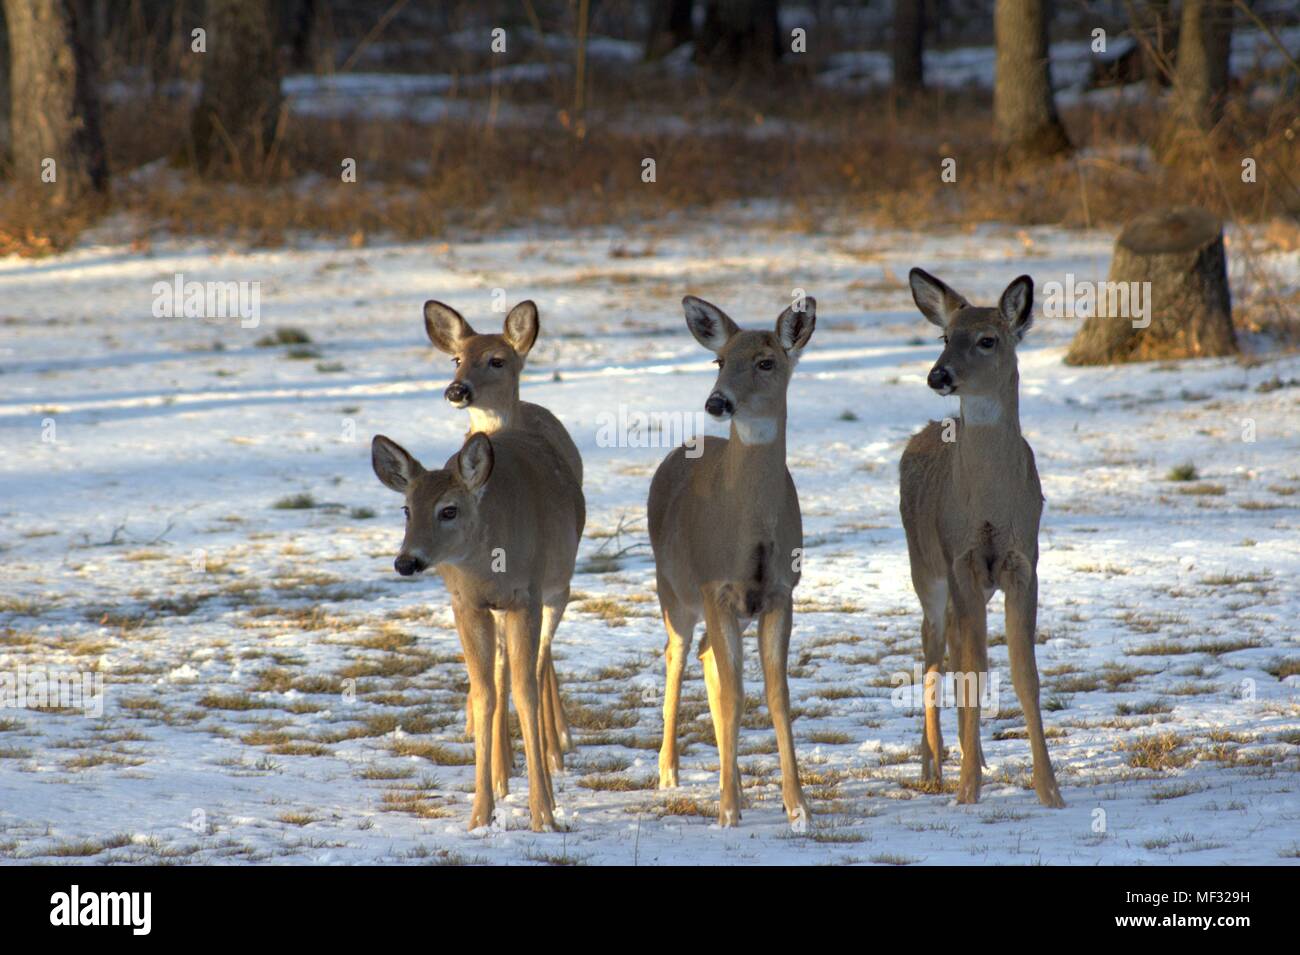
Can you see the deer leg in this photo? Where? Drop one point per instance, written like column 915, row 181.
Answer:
column 503, row 756
column 933, row 627
column 774, row 648
column 555, row 731
column 523, row 636
column 1020, row 584
column 681, row 631
column 478, row 641
column 967, row 590
column 722, row 675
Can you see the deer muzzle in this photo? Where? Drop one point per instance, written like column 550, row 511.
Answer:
column 720, row 406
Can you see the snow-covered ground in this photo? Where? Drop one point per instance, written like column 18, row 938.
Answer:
column 274, row 692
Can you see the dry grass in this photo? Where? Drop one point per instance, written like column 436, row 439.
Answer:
column 827, row 149
column 1160, row 751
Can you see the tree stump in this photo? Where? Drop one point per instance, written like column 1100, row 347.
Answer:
column 1166, row 295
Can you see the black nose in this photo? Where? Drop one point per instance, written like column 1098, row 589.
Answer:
column 457, row 392
column 406, row 566
column 719, row 405
column 939, row 377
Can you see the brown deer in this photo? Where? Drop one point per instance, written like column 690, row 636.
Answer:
column 727, row 538
column 971, row 503
column 486, row 384
column 500, row 521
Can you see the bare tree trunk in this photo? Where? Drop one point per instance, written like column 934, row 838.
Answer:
column 909, row 41
column 671, row 25
column 1200, row 74
column 1174, row 260
column 1024, row 108
column 57, row 141
column 740, row 35
column 234, row 122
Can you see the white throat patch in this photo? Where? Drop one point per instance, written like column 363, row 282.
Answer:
column 485, row 420
column 977, row 410
column 755, row 430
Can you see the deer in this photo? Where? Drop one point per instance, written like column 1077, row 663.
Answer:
column 500, row 521
column 971, row 502
column 486, row 384
column 727, row 538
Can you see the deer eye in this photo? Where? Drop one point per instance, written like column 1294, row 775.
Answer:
column 497, row 362
column 448, row 513
column 987, row 342
column 767, row 364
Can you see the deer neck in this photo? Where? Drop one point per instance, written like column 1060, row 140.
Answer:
column 990, row 448
column 753, row 462
column 492, row 420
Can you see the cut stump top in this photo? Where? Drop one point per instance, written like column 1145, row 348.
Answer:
column 1172, row 230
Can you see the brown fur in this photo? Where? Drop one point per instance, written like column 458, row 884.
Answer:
column 971, row 508
column 727, row 539
column 506, row 556
column 489, row 367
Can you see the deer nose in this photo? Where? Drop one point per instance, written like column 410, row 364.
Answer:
column 406, row 565
column 458, row 393
column 719, row 405
column 939, row 378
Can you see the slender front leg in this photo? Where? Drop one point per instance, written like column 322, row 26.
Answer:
column 478, row 641
column 967, row 589
column 774, row 649
column 503, row 756
column 723, row 677
column 1019, row 582
column 523, row 633
column 555, row 730
column 681, row 631
column 932, row 693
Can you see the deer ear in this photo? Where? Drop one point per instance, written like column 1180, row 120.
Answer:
column 445, row 327
column 475, row 460
column 936, row 301
column 795, row 328
column 708, row 323
column 1017, row 306
column 521, row 327
column 393, row 465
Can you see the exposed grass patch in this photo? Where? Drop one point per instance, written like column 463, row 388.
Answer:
column 1168, row 648
column 435, row 753
column 1204, row 489
column 1159, row 751
column 295, row 502
column 286, row 335
column 617, row 783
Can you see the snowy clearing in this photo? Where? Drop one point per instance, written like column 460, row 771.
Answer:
column 194, row 517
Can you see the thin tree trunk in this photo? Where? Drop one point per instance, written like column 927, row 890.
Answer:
column 740, row 35
column 1024, row 108
column 671, row 25
column 54, row 120
column 1200, row 75
column 909, row 41
column 234, row 122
